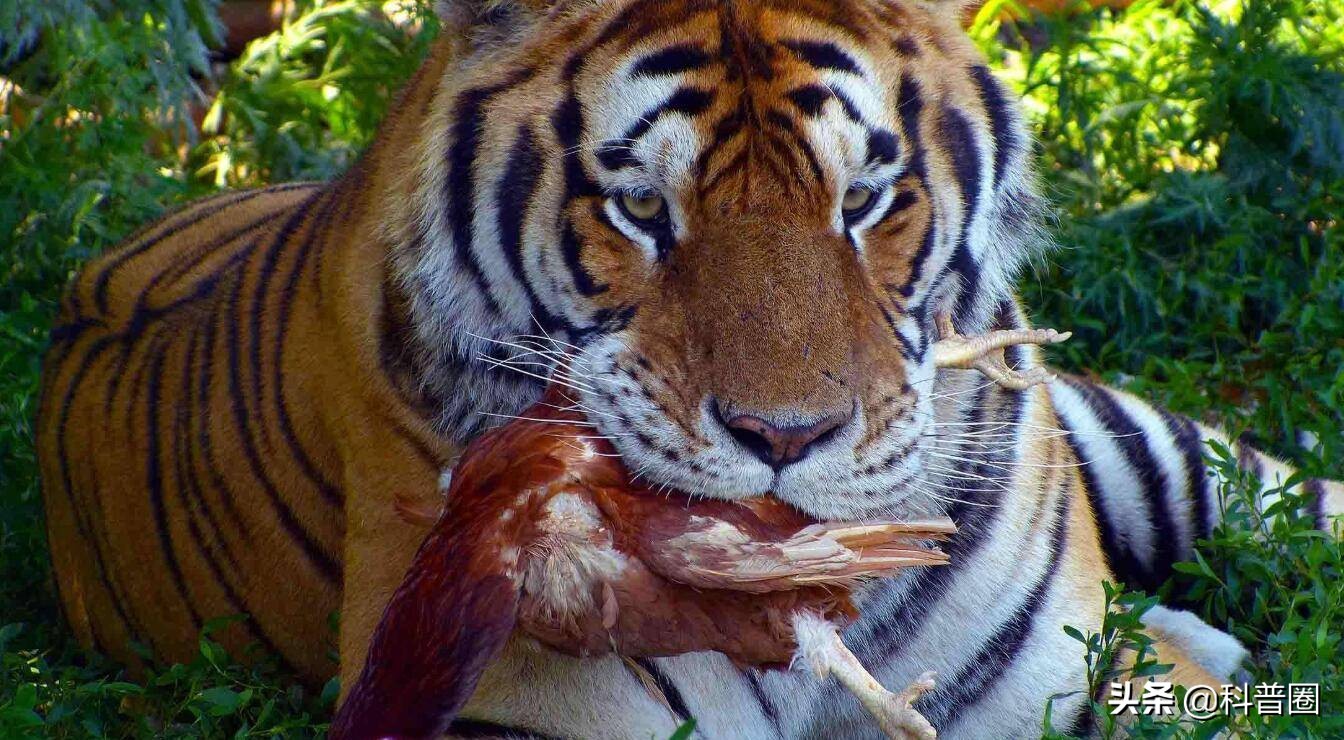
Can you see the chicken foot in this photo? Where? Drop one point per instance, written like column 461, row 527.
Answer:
column 984, row 352
column 820, row 646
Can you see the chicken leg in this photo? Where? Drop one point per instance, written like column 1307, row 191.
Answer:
column 984, row 352
column 820, row 646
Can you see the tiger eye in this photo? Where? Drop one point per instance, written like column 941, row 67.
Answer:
column 856, row 199
column 643, row 207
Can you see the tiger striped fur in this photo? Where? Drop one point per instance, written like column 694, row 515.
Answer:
column 724, row 224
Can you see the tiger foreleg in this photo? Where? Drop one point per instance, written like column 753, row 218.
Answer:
column 984, row 352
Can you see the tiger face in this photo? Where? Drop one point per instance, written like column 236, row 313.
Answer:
column 735, row 222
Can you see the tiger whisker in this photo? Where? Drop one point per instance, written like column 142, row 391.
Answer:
column 580, row 408
column 959, row 474
column 528, row 418
column 1009, row 464
column 948, row 499
column 1024, row 425
column 545, row 379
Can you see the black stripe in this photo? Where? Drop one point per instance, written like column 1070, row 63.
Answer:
column 907, row 350
column 189, row 488
column 1120, row 559
column 118, row 372
column 852, row 18
column 1315, row 490
column 266, row 271
column 975, row 512
column 753, row 680
column 927, row 330
column 460, row 185
column 81, row 513
column 1000, row 119
column 567, row 121
column 745, row 55
column 629, row 19
column 281, row 318
column 618, row 154
column 810, row 155
column 191, row 217
column 1186, row 436
column 965, row 153
column 192, row 496
column 724, row 130
column 205, row 384
column 1018, row 210
column 1007, row 318
column 332, row 220
column 64, row 334
column 1151, row 479
column 182, row 267
column 670, row 691
column 478, row 728
column 513, row 194
column 883, row 147
column 781, row 158
column 809, row 98
column 676, row 59
column 572, row 250
column 847, row 105
column 945, row 704
column 910, row 106
column 823, row 55
column 154, row 480
column 605, row 321
column 326, row 565
column 1249, row 459
column 799, row 147
column 1081, row 725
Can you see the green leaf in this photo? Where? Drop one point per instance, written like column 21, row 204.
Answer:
column 330, row 692
column 222, row 701
column 683, row 732
column 25, row 697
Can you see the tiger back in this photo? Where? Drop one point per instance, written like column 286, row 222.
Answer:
column 213, row 390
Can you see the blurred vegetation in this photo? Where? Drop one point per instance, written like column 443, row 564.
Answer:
column 112, row 111
column 1194, row 150
column 1195, row 153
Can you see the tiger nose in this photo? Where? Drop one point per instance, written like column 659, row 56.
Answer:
column 779, row 445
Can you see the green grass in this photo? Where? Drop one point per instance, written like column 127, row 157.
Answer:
column 1194, row 151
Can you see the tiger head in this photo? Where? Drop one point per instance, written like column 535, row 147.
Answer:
column 728, row 225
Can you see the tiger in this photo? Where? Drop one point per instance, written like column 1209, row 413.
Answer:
column 730, row 227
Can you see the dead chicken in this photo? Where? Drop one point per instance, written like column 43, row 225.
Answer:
column 543, row 532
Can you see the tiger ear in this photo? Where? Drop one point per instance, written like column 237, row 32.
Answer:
column 494, row 17
column 959, row 9
column 956, row 6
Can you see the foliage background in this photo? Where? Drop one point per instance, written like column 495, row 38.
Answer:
column 1194, row 151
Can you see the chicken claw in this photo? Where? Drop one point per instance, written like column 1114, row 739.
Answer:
column 984, row 352
column 819, row 644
